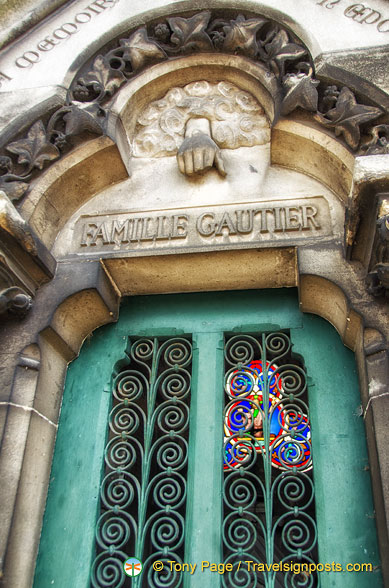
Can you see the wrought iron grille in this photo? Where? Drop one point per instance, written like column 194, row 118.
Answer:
column 143, row 492
column 268, row 486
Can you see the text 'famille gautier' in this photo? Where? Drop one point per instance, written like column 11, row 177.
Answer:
column 123, row 229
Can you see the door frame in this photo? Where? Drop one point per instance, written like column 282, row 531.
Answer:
column 278, row 310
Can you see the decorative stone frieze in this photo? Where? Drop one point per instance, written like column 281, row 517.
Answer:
column 256, row 38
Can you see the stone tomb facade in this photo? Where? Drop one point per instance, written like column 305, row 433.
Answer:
column 161, row 150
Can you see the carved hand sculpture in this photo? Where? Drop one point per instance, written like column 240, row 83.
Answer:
column 199, row 152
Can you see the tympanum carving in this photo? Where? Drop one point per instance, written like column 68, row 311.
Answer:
column 198, row 120
column 199, row 152
column 254, row 37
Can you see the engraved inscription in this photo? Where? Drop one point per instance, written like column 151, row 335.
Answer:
column 360, row 13
column 63, row 32
column 135, row 229
column 4, row 78
column 248, row 224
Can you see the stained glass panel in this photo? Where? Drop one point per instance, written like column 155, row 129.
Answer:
column 268, row 485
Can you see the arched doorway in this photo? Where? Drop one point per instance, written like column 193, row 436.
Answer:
column 344, row 511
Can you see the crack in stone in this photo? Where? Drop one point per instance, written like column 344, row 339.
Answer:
column 29, row 409
column 370, row 401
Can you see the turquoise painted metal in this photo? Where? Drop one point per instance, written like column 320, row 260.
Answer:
column 344, row 509
column 344, row 512
column 268, row 490
column 204, row 512
column 143, row 493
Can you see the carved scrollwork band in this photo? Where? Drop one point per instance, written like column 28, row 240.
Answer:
column 253, row 37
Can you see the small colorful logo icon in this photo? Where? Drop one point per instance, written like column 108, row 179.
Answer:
column 132, row 566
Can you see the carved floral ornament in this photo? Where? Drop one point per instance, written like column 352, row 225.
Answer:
column 256, row 38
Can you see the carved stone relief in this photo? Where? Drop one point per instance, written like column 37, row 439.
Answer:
column 378, row 277
column 341, row 112
column 24, row 261
column 256, row 38
column 196, row 121
column 379, row 142
column 15, row 301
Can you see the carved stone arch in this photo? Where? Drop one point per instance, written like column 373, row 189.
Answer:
column 286, row 56
column 340, row 73
column 95, row 165
column 65, row 186
column 74, row 303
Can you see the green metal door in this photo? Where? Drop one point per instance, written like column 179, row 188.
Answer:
column 186, row 509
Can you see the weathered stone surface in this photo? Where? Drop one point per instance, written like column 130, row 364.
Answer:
column 20, row 15
column 326, row 27
column 325, row 56
column 363, row 69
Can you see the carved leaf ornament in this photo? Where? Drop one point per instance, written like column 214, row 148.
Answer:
column 300, row 92
column 379, row 141
column 83, row 117
column 104, row 79
column 32, row 152
column 256, row 38
column 241, row 35
column 189, row 34
column 35, row 149
column 347, row 116
column 279, row 50
column 139, row 50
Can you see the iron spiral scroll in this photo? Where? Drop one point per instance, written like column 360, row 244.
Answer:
column 143, row 492
column 268, row 491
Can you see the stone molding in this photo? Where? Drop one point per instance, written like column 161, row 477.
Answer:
column 25, row 263
column 307, row 114
column 257, row 39
column 92, row 299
